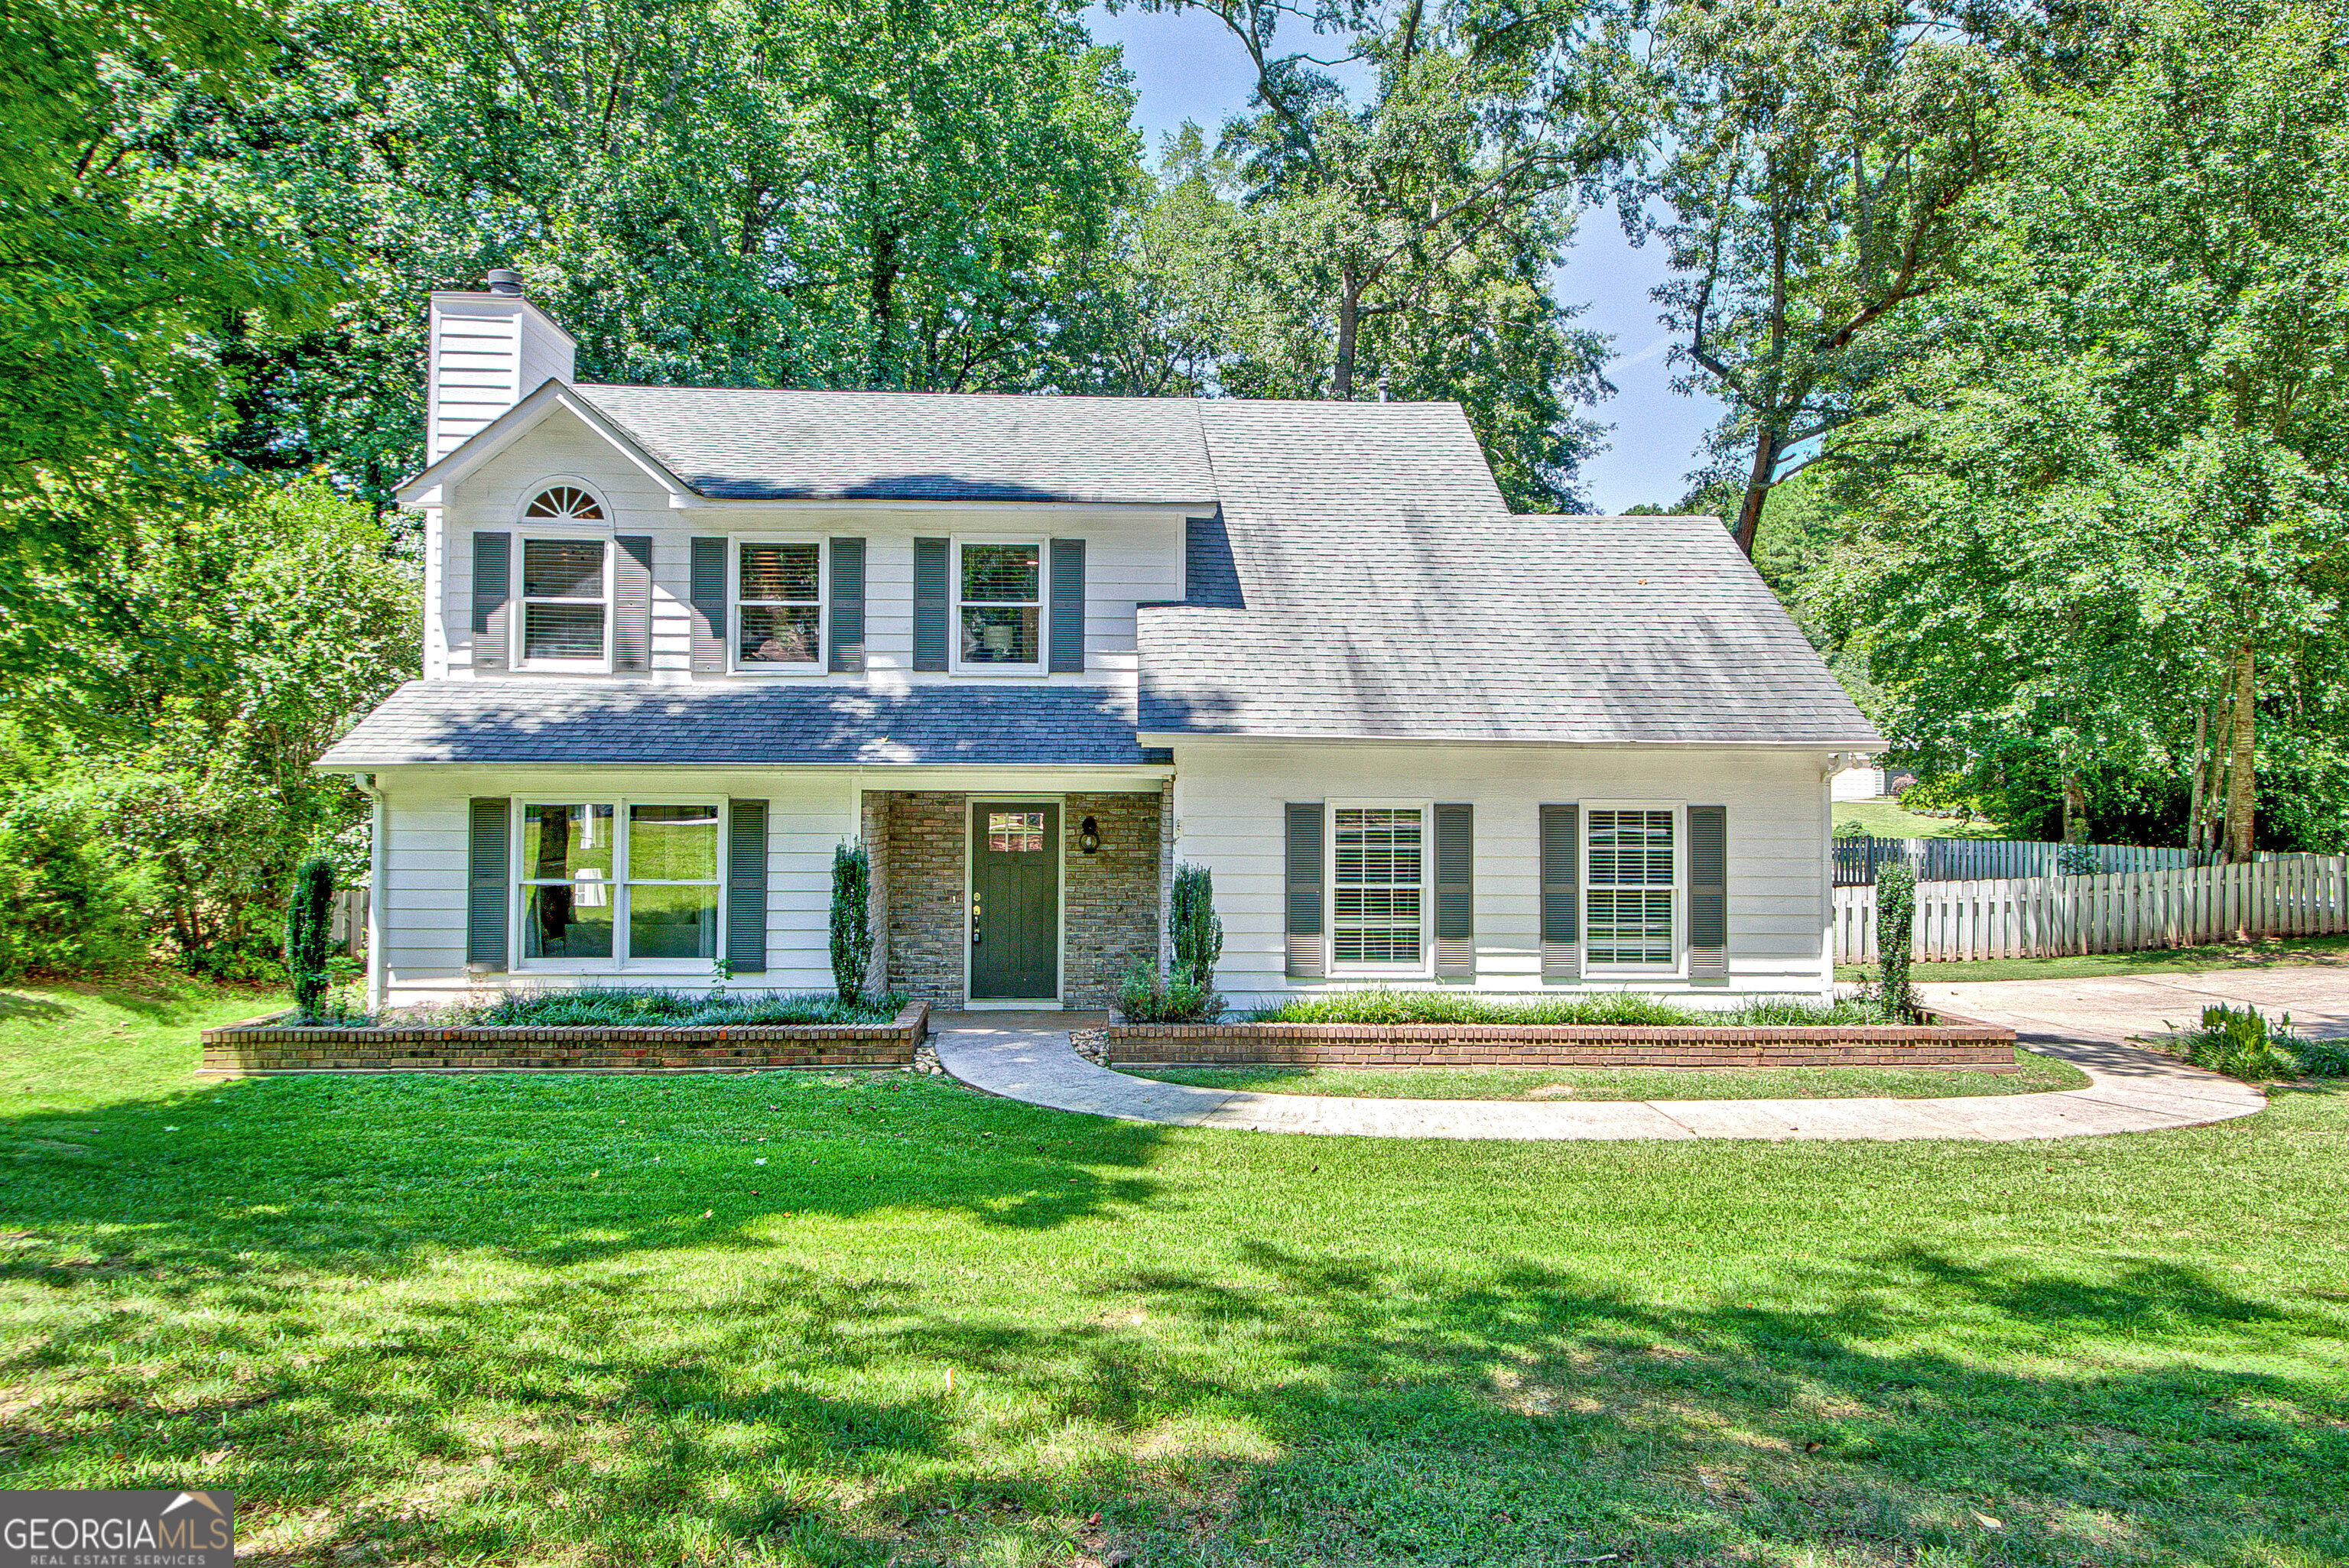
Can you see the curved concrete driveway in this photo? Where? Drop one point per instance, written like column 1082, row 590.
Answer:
column 1023, row 1058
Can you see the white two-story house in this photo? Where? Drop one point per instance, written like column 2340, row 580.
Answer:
column 1032, row 651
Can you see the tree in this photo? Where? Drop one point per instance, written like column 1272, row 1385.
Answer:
column 1812, row 159
column 1403, row 247
column 2111, row 511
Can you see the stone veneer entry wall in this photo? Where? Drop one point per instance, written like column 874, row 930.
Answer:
column 1109, row 901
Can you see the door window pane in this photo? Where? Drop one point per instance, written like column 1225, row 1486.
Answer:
column 1015, row 833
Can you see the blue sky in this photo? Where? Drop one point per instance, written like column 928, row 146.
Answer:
column 1186, row 67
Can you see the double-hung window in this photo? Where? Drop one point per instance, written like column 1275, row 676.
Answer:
column 1630, row 876
column 620, row 882
column 1378, row 865
column 1000, row 607
column 566, row 603
column 779, row 605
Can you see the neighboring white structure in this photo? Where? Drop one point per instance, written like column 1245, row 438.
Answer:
column 1862, row 781
column 680, row 642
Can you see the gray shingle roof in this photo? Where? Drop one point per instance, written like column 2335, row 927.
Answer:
column 748, row 445
column 749, row 724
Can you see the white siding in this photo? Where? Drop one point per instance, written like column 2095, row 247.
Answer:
column 1132, row 555
column 486, row 352
column 1229, row 801
column 423, row 907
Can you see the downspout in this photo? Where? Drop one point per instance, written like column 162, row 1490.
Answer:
column 378, row 862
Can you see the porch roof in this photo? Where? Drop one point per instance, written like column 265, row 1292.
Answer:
column 584, row 723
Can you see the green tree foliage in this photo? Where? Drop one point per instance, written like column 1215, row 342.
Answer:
column 309, row 909
column 249, row 630
column 1806, row 180
column 1402, row 246
column 852, row 919
column 2105, row 524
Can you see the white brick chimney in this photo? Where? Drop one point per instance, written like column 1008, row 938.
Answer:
column 488, row 352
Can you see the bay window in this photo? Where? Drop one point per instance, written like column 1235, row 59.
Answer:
column 1631, row 879
column 620, row 883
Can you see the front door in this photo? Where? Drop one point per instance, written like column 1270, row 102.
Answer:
column 1015, row 903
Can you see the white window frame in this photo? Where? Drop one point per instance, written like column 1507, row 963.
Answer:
column 955, row 603
column 519, row 631
column 1679, row 809
column 1424, row 967
column 519, row 883
column 735, row 663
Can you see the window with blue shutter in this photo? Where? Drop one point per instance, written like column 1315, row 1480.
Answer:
column 706, row 598
column 1068, row 635
column 486, row 872
column 930, row 574
column 746, row 887
column 1304, row 826
column 1455, row 893
column 493, row 574
column 632, row 604
column 1708, row 874
column 847, row 606
column 1561, row 892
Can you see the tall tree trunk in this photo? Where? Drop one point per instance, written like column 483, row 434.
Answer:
column 881, row 305
column 2075, row 809
column 1350, row 323
column 2239, row 774
column 1766, row 448
column 2194, row 793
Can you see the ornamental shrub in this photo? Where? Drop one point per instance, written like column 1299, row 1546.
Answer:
column 2242, row 1043
column 1145, row 998
column 309, row 912
column 1198, row 931
column 1895, row 918
column 852, row 919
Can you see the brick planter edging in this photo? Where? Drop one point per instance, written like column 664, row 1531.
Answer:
column 263, row 1044
column 1947, row 1041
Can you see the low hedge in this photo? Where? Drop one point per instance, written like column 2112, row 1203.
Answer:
column 1626, row 1008
column 622, row 1006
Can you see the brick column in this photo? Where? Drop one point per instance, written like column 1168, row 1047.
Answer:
column 873, row 825
column 1166, row 877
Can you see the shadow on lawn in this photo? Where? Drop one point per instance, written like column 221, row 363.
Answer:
column 1267, row 1404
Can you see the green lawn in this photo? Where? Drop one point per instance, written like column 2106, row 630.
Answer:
column 2089, row 965
column 2038, row 1074
column 542, row 1320
column 1890, row 819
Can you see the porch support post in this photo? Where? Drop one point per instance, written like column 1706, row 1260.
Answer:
column 1166, row 877
column 872, row 826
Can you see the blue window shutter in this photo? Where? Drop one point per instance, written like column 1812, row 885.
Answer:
column 1561, row 892
column 492, row 572
column 632, row 604
column 705, row 594
column 930, row 572
column 1068, row 604
column 1455, row 893
column 486, row 898
column 1305, row 943
column 1708, row 870
column 746, row 887
column 847, row 606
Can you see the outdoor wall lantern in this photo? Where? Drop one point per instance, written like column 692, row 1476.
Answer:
column 1089, row 837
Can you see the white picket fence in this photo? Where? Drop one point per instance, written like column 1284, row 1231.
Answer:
column 2040, row 917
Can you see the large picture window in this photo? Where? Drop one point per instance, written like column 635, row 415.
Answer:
column 1379, row 860
column 605, row 883
column 1630, row 871
column 1002, row 606
column 779, row 612
column 565, row 602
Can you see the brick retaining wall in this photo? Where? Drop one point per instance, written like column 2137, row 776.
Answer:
column 264, row 1045
column 1947, row 1041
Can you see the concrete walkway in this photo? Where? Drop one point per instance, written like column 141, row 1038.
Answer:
column 1027, row 1057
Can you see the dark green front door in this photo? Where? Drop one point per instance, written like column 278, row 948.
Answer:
column 1015, row 903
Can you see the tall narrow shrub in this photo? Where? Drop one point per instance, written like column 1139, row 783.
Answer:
column 1198, row 931
column 309, row 915
column 852, row 919
column 1896, row 917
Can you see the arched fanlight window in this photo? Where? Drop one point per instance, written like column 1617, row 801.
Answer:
column 566, row 503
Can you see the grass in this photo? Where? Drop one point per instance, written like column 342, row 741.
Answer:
column 2038, row 1074
column 571, row 1320
column 639, row 1006
column 2094, row 965
column 1377, row 1006
column 1890, row 819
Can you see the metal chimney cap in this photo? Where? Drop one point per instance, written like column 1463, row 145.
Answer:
column 504, row 281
